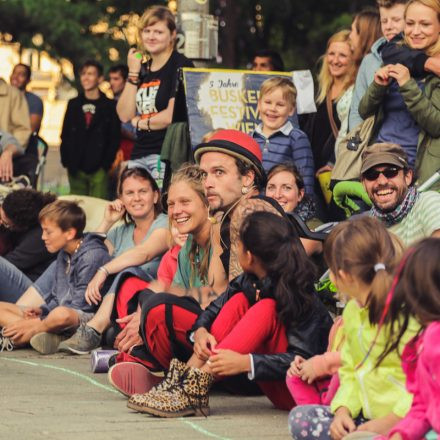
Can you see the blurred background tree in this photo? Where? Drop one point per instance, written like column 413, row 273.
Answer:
column 80, row 29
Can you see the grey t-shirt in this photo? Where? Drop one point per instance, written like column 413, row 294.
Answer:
column 121, row 238
column 35, row 103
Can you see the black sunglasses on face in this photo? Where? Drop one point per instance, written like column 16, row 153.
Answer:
column 373, row 174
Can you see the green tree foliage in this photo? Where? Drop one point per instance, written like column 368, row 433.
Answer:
column 68, row 26
column 298, row 29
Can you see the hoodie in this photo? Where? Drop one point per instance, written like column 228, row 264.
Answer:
column 65, row 281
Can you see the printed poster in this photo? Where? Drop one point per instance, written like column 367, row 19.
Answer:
column 217, row 98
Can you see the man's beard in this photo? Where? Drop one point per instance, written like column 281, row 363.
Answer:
column 399, row 197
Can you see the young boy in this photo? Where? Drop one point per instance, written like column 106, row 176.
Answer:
column 278, row 139
column 392, row 23
column 90, row 135
column 55, row 302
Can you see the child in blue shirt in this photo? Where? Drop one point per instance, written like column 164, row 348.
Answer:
column 279, row 140
column 56, row 302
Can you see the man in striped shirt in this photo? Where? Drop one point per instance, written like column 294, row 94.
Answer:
column 388, row 181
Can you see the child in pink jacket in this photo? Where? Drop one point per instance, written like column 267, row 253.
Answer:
column 417, row 294
column 315, row 380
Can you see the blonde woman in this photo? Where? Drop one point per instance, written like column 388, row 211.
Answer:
column 407, row 106
column 335, row 88
column 149, row 93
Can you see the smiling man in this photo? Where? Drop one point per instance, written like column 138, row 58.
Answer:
column 388, row 181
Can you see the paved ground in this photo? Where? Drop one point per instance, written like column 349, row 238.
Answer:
column 57, row 397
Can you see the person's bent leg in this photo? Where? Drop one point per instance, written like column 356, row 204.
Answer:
column 126, row 293
column 14, row 282
column 10, row 313
column 310, row 422
column 158, row 336
column 101, row 319
column 259, row 331
column 58, row 320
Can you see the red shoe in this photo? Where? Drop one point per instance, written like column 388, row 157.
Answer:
column 132, row 378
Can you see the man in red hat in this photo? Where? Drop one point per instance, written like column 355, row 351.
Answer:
column 232, row 162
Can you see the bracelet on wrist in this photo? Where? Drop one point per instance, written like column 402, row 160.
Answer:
column 133, row 81
column 133, row 73
column 103, row 269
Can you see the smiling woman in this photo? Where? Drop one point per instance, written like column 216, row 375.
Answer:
column 336, row 79
column 407, row 106
column 149, row 94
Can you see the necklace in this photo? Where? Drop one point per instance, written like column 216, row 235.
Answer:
column 69, row 257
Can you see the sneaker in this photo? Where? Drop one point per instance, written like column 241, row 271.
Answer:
column 46, row 343
column 83, row 341
column 132, row 378
column 6, row 343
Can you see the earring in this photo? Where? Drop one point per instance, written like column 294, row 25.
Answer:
column 244, row 190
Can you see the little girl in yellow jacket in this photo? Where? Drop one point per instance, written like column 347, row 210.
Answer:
column 362, row 256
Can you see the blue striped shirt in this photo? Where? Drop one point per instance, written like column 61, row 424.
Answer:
column 288, row 144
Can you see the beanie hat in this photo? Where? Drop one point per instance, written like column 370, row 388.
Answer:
column 234, row 143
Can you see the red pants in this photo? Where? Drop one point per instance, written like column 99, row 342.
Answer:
column 258, row 330
column 126, row 292
column 238, row 327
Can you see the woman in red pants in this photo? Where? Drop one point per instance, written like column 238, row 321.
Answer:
column 266, row 317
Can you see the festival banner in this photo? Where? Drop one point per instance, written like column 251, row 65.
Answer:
column 217, row 98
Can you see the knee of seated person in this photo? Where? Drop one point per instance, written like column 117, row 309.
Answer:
column 62, row 315
column 267, row 304
column 155, row 316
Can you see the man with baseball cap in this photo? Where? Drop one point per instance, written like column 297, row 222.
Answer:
column 388, row 181
column 232, row 162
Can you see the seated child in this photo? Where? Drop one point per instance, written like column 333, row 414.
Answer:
column 417, row 294
column 278, row 139
column 362, row 258
column 55, row 302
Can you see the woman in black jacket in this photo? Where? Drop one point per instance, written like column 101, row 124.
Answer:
column 266, row 317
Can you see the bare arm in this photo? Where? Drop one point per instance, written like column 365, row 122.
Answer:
column 35, row 122
column 158, row 121
column 126, row 107
column 155, row 245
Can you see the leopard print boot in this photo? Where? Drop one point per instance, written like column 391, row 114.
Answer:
column 188, row 398
column 175, row 372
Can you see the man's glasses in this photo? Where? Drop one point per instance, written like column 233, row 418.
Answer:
column 373, row 174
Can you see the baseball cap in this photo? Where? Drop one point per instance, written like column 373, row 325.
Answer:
column 383, row 154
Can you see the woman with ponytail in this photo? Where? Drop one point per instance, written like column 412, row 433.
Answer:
column 362, row 256
column 267, row 315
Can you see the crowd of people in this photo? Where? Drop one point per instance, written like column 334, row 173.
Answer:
column 201, row 273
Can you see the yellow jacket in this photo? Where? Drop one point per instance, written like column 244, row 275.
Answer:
column 373, row 391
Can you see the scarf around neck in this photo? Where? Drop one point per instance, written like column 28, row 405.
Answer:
column 400, row 212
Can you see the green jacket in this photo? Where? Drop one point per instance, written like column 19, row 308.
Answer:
column 373, row 391
column 424, row 106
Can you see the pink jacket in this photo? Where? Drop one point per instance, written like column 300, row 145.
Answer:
column 421, row 364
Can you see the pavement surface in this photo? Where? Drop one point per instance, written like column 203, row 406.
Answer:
column 57, row 397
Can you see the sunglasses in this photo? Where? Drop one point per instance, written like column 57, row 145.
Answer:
column 373, row 174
